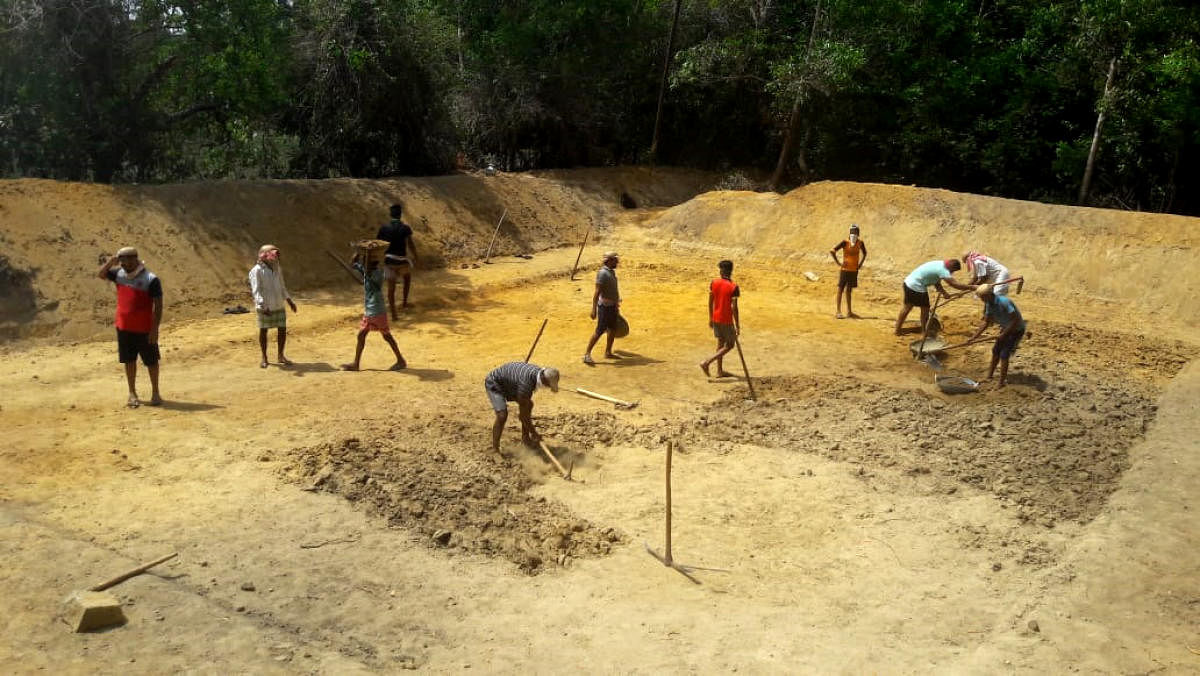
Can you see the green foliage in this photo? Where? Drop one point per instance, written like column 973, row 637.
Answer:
column 993, row 96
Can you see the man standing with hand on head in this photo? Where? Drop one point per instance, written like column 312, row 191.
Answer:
column 854, row 255
column 139, row 314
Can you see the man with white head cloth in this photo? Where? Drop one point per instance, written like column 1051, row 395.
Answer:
column 987, row 270
column 270, row 294
column 517, row 381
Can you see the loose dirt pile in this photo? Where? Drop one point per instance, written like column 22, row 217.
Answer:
column 1053, row 451
column 457, row 497
column 201, row 238
column 1062, row 251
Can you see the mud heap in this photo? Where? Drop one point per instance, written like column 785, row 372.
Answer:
column 455, row 497
column 1051, row 448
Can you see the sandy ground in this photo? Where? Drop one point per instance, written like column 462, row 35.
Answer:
column 863, row 521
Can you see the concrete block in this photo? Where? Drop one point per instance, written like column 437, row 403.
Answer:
column 89, row 611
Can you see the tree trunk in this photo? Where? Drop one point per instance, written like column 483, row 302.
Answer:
column 1091, row 160
column 789, row 137
column 662, row 85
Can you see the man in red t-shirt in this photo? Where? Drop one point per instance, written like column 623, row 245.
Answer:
column 723, row 317
column 139, row 313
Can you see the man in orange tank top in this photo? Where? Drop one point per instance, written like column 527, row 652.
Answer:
column 854, row 254
column 723, row 317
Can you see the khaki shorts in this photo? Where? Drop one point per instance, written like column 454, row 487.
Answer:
column 394, row 266
column 726, row 333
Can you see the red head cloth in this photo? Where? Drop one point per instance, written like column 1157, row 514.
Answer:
column 268, row 253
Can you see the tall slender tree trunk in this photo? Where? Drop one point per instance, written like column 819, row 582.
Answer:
column 789, row 140
column 1091, row 160
column 662, row 85
column 789, row 136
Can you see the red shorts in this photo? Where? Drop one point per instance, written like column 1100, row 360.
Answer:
column 375, row 323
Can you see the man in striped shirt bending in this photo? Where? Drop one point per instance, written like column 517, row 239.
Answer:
column 517, row 381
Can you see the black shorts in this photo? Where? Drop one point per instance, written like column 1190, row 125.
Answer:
column 1005, row 347
column 606, row 318
column 848, row 279
column 915, row 298
column 131, row 345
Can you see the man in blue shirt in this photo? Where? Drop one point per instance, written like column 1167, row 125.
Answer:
column 374, row 311
column 1004, row 313
column 917, row 283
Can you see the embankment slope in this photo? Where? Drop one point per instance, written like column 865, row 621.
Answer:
column 200, row 238
column 1131, row 259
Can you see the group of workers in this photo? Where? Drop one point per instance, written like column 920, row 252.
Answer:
column 140, row 308
column 989, row 282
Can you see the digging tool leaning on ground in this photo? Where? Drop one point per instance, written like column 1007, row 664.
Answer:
column 139, row 314
column 606, row 307
column 916, row 287
column 517, row 381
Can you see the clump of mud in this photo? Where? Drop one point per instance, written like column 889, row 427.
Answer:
column 452, row 499
column 1053, row 445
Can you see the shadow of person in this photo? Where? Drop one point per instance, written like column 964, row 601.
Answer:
column 187, row 406
column 1028, row 379
column 727, row 378
column 432, row 375
column 298, row 368
column 631, row 359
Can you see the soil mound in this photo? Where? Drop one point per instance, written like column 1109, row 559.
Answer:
column 201, row 238
column 1111, row 255
column 451, row 499
column 1052, row 452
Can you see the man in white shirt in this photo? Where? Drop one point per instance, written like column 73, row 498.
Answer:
column 270, row 294
column 986, row 270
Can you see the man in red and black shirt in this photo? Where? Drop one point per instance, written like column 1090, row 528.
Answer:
column 723, row 316
column 139, row 313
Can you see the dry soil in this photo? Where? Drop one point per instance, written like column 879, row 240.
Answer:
column 860, row 519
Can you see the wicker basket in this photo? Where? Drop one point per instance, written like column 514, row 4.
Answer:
column 371, row 250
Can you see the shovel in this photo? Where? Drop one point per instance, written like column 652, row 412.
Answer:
column 931, row 359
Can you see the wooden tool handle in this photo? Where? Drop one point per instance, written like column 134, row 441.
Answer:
column 602, row 397
column 968, row 343
column 488, row 255
column 553, row 459
column 136, row 571
column 575, row 268
column 351, row 271
column 535, row 340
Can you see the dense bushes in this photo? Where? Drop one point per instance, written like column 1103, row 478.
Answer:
column 991, row 96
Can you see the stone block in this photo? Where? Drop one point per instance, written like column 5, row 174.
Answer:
column 89, row 611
